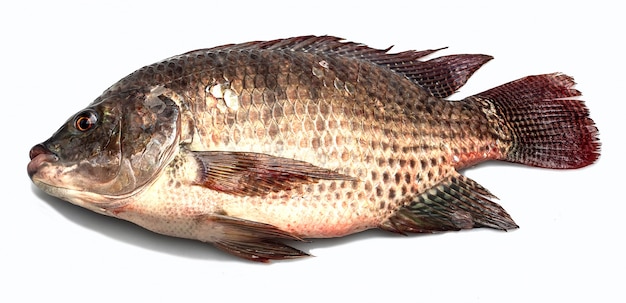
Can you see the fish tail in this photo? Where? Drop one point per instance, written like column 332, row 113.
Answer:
column 548, row 126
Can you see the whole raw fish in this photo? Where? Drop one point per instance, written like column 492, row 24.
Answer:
column 249, row 144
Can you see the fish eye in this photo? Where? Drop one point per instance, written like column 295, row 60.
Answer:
column 85, row 120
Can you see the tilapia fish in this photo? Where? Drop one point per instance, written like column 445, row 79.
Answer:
column 249, row 145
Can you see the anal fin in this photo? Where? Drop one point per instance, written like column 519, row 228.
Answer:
column 456, row 203
column 251, row 240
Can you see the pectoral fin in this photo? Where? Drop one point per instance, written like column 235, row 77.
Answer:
column 250, row 240
column 256, row 174
column 457, row 203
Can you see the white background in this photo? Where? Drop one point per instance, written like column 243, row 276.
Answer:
column 58, row 56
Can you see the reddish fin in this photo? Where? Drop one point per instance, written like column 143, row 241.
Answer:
column 256, row 174
column 455, row 204
column 251, row 240
column 551, row 128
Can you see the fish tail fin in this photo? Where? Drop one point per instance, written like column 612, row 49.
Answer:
column 549, row 127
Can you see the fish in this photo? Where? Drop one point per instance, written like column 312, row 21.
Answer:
column 254, row 145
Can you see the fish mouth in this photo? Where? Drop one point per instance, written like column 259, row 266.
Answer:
column 46, row 173
column 39, row 155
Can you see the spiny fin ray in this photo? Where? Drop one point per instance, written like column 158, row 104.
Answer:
column 441, row 76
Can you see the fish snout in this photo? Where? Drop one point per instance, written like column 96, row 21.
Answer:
column 39, row 154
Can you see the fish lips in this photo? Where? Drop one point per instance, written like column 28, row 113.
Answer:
column 39, row 155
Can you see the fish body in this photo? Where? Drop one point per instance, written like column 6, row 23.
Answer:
column 246, row 145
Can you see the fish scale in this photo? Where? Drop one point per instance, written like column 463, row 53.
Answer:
column 384, row 139
column 246, row 145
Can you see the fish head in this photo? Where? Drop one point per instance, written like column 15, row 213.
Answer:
column 108, row 151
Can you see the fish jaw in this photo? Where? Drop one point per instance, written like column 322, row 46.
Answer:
column 93, row 202
column 48, row 173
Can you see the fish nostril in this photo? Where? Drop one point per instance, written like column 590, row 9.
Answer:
column 38, row 150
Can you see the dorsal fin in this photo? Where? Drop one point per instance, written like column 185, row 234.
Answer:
column 441, row 76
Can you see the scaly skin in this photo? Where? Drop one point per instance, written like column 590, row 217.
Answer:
column 394, row 138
